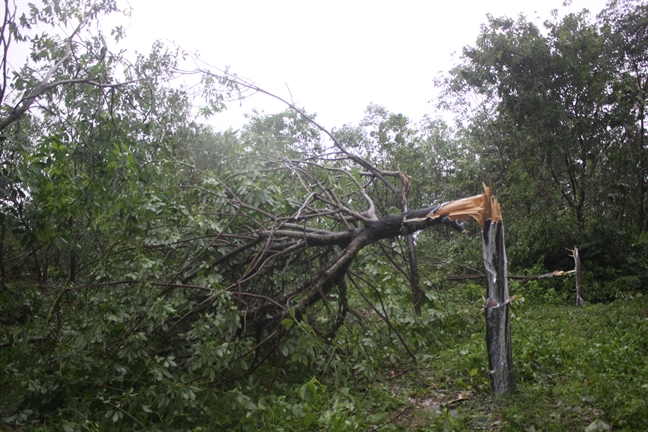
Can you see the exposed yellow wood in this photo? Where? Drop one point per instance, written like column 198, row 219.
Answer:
column 462, row 209
column 492, row 209
column 479, row 207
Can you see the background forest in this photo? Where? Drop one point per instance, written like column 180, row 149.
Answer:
column 160, row 274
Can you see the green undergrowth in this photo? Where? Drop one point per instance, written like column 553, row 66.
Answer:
column 577, row 368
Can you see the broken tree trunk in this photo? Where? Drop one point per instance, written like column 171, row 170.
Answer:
column 497, row 304
column 579, row 277
column 486, row 210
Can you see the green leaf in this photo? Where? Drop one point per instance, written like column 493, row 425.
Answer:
column 309, row 419
column 288, row 323
column 308, row 391
column 597, row 426
column 356, row 175
column 303, row 392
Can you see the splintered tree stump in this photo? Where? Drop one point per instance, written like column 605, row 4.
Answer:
column 497, row 304
column 579, row 277
column 486, row 210
column 497, row 309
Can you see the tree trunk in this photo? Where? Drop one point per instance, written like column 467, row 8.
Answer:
column 641, row 169
column 579, row 278
column 497, row 304
column 73, row 256
column 414, row 275
column 3, row 271
column 411, row 251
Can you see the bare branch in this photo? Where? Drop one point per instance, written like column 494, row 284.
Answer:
column 353, row 157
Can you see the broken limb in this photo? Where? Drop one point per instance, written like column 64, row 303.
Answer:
column 518, row 278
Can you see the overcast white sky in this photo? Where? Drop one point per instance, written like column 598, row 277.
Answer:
column 336, row 56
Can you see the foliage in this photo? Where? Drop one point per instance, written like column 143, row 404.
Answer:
column 158, row 274
column 152, row 269
column 562, row 144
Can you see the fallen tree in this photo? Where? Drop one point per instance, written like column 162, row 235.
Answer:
column 308, row 239
column 159, row 264
column 273, row 235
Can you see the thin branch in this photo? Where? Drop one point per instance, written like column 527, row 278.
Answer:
column 25, row 103
column 5, row 42
column 521, row 279
column 384, row 317
column 355, row 158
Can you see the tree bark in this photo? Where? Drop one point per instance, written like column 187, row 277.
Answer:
column 579, row 278
column 3, row 270
column 414, row 275
column 411, row 251
column 497, row 304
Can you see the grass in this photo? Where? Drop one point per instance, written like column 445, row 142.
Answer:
column 576, row 369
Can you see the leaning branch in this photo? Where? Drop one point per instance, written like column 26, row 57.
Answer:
column 45, row 85
column 6, row 36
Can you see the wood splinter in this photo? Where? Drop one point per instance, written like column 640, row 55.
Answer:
column 489, row 303
column 479, row 207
